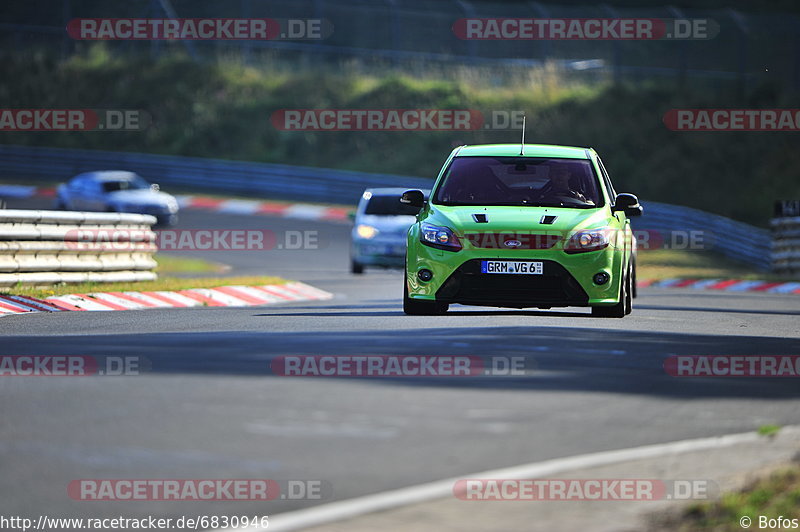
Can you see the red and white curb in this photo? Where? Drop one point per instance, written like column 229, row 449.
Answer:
column 727, row 285
column 223, row 296
column 299, row 211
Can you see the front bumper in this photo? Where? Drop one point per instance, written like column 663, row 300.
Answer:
column 566, row 279
column 555, row 287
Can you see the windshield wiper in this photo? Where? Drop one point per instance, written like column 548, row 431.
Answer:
column 518, row 204
column 562, row 204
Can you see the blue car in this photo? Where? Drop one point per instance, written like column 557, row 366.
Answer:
column 117, row 191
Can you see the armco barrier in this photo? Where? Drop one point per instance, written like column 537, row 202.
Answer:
column 215, row 175
column 48, row 247
column 733, row 239
column 786, row 244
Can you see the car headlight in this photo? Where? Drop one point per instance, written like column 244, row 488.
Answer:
column 438, row 237
column 591, row 240
column 366, row 231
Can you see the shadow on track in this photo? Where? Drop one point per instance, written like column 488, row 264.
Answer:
column 557, row 358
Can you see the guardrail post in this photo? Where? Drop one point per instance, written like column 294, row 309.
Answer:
column 682, row 63
column 469, row 12
column 246, row 46
column 742, row 47
column 616, row 49
column 785, row 253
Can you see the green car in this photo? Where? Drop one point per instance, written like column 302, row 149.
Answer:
column 521, row 226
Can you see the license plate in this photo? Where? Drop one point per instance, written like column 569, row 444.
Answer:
column 511, row 267
column 383, row 250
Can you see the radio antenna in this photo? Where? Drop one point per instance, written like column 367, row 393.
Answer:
column 522, row 146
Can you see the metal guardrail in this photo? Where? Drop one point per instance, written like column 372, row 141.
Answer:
column 733, row 239
column 786, row 244
column 49, row 247
column 196, row 173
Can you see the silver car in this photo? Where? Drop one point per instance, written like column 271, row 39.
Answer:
column 381, row 223
column 117, row 191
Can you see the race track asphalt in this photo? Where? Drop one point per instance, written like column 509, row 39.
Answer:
column 209, row 406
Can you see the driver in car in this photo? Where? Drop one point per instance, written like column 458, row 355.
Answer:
column 560, row 177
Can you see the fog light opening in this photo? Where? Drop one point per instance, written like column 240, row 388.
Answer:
column 425, row 275
column 601, row 278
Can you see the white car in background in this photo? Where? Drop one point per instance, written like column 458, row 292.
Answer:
column 117, row 191
column 381, row 223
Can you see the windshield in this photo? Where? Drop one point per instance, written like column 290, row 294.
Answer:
column 524, row 181
column 133, row 183
column 389, row 206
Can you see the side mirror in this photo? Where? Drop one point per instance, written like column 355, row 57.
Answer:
column 155, row 187
column 627, row 203
column 413, row 198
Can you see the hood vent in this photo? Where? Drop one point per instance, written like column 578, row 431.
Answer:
column 480, row 218
column 548, row 219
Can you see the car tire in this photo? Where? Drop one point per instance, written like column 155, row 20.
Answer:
column 356, row 267
column 416, row 307
column 620, row 309
column 634, row 287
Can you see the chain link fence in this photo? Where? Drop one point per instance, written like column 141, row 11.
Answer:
column 749, row 48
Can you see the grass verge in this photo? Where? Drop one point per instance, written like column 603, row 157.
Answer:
column 769, row 430
column 671, row 263
column 224, row 108
column 168, row 266
column 777, row 495
column 173, row 264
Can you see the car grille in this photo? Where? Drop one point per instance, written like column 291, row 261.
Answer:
column 556, row 285
column 523, row 240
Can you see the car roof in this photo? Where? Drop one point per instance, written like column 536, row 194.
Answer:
column 108, row 175
column 531, row 150
column 391, row 191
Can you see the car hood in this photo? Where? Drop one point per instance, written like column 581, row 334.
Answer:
column 141, row 197
column 517, row 219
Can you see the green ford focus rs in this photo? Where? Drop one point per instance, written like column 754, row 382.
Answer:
column 521, row 226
